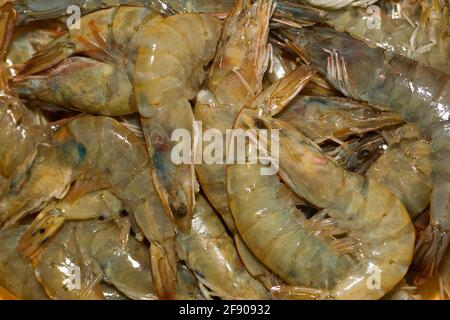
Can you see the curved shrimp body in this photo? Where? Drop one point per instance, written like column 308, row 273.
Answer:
column 418, row 92
column 405, row 168
column 23, row 285
column 421, row 35
column 364, row 210
column 322, row 118
column 169, row 72
column 121, row 158
column 210, row 252
column 63, row 270
column 276, row 231
column 124, row 262
column 108, row 39
column 234, row 79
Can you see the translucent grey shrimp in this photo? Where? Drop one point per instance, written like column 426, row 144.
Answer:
column 211, row 253
column 418, row 92
column 360, row 208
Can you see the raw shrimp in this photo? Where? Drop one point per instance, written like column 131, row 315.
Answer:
column 16, row 272
column 103, row 154
column 418, row 92
column 323, row 118
column 379, row 232
column 235, row 78
column 125, row 263
column 69, row 85
column 169, row 72
column 410, row 31
column 405, row 168
column 210, row 252
column 63, row 270
column 101, row 204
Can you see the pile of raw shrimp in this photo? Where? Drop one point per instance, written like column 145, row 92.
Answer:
column 355, row 94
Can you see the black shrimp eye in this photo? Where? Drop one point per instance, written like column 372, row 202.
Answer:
column 259, row 123
column 123, row 213
column 180, row 211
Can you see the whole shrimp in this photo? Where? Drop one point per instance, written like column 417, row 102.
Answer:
column 211, row 253
column 394, row 82
column 135, row 43
column 379, row 232
column 16, row 272
column 235, row 78
column 124, row 261
column 101, row 204
column 114, row 159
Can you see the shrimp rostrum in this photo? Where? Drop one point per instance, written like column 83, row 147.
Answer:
column 421, row 94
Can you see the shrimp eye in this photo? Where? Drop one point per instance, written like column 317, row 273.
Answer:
column 259, row 123
column 180, row 210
